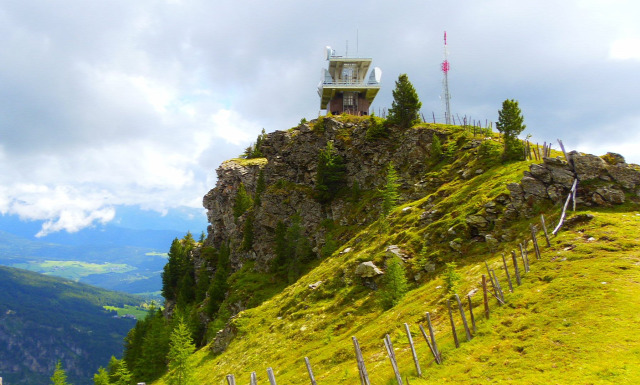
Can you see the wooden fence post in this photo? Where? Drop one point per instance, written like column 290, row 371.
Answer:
column 515, row 266
column 473, row 319
column 392, row 358
column 432, row 334
column 413, row 350
column 432, row 346
column 486, row 298
column 493, row 284
column 364, row 376
column 453, row 325
column 272, row 377
column 313, row 380
column 464, row 318
column 254, row 379
column 500, row 297
column 525, row 262
column 506, row 270
column 544, row 228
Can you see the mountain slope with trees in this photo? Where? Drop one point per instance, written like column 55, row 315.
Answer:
column 46, row 319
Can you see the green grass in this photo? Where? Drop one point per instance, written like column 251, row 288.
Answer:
column 135, row 311
column 73, row 269
column 573, row 320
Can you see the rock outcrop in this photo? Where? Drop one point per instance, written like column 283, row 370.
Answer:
column 601, row 181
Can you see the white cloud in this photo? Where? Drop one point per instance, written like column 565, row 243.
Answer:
column 136, row 103
column 626, row 48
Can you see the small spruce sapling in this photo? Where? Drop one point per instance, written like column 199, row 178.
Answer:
column 59, row 375
column 436, row 148
column 511, row 124
column 451, row 279
column 405, row 108
column 394, row 284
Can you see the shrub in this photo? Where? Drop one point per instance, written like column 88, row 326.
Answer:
column 451, row 278
column 511, row 124
column 394, row 284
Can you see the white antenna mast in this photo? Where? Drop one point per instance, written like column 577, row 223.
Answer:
column 445, row 83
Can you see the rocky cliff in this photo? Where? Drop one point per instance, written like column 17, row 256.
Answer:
column 289, row 165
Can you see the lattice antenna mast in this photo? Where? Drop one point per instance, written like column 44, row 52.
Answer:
column 445, row 83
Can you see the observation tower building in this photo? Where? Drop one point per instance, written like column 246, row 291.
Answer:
column 345, row 86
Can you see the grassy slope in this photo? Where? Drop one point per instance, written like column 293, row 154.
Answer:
column 563, row 323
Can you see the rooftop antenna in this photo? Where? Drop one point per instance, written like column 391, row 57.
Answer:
column 347, row 53
column 357, row 51
column 445, row 83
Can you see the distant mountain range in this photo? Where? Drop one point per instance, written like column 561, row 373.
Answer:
column 44, row 319
column 126, row 255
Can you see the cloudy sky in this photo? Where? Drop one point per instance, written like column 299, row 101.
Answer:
column 118, row 103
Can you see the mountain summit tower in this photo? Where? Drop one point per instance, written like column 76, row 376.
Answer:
column 345, row 87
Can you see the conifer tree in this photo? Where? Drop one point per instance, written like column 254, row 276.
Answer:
column 394, row 284
column 181, row 348
column 390, row 193
column 436, row 148
column 59, row 375
column 260, row 187
column 405, row 108
column 102, row 377
column 242, row 202
column 330, row 173
column 511, row 124
column 219, row 285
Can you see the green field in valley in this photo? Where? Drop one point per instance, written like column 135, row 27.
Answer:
column 73, row 269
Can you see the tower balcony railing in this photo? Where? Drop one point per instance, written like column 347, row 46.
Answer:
column 351, row 83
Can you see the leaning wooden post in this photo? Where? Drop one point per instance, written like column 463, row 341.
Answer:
column 525, row 263
column 231, row 380
column 506, row 270
column 500, row 297
column 392, row 358
column 364, row 376
column 432, row 334
column 254, row 379
column 313, row 380
column 544, row 228
column 464, row 318
column 432, row 347
column 272, row 377
column 493, row 284
column 473, row 319
column 486, row 297
column 536, row 248
column 515, row 266
column 453, row 325
column 413, row 350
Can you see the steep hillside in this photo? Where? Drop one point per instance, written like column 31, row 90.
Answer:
column 44, row 319
column 305, row 255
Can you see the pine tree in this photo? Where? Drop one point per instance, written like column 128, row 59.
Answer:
column 260, row 187
column 330, row 173
column 242, row 202
column 181, row 348
column 219, row 286
column 436, row 148
column 102, row 377
column 390, row 195
column 511, row 124
column 394, row 284
column 59, row 375
column 122, row 375
column 405, row 108
column 451, row 278
column 247, row 231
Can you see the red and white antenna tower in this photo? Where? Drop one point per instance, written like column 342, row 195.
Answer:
column 445, row 83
